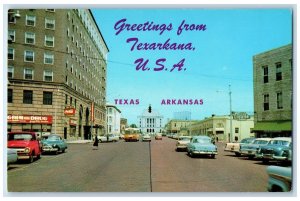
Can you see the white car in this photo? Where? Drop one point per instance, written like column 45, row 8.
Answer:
column 108, row 138
column 146, row 137
column 182, row 142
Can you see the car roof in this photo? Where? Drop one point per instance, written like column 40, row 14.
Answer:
column 201, row 136
column 263, row 138
column 289, row 139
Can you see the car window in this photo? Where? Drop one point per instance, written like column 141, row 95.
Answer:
column 279, row 142
column 202, row 141
column 53, row 138
column 20, row 137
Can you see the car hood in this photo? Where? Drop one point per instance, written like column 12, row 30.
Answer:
column 18, row 143
column 201, row 146
column 50, row 142
column 183, row 142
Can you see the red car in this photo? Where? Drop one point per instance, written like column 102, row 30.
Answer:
column 26, row 143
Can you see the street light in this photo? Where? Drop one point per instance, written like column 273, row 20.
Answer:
column 230, row 115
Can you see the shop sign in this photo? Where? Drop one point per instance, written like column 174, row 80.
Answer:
column 30, row 119
column 69, row 111
column 73, row 122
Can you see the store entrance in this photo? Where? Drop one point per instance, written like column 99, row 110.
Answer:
column 86, row 132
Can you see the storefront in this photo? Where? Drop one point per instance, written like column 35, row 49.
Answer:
column 41, row 124
column 273, row 129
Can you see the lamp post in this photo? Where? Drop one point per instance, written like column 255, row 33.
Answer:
column 230, row 115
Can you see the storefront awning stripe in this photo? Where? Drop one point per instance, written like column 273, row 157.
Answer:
column 273, row 126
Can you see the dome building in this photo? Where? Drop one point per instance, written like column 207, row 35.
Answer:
column 150, row 121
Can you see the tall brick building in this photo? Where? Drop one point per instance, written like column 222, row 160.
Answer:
column 56, row 72
column 273, row 92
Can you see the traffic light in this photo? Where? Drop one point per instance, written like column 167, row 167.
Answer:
column 149, row 109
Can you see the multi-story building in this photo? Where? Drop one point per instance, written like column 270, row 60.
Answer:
column 113, row 119
column 218, row 127
column 150, row 121
column 183, row 115
column 273, row 92
column 57, row 61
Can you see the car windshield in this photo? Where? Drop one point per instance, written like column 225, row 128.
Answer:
column 201, row 141
column 53, row 138
column 184, row 138
column 260, row 142
column 20, row 136
column 247, row 140
column 279, row 142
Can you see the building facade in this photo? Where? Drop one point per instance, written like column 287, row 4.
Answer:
column 57, row 62
column 179, row 126
column 150, row 121
column 123, row 125
column 218, row 127
column 113, row 119
column 273, row 92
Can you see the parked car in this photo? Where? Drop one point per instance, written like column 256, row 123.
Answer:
column 158, row 136
column 235, row 146
column 250, row 150
column 108, row 138
column 12, row 156
column 182, row 142
column 201, row 145
column 146, row 137
column 54, row 144
column 275, row 148
column 26, row 145
column 280, row 179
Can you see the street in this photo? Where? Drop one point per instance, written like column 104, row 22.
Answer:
column 137, row 167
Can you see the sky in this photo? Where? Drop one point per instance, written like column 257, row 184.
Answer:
column 221, row 55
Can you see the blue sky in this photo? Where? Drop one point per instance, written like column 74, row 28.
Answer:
column 222, row 56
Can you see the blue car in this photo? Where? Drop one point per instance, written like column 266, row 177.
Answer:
column 250, row 150
column 202, row 145
column 54, row 144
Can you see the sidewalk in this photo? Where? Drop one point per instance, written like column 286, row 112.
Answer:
column 78, row 141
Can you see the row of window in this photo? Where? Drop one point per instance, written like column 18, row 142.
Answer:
column 28, row 74
column 30, row 20
column 30, row 38
column 28, row 97
column 29, row 56
column 278, row 75
column 279, row 104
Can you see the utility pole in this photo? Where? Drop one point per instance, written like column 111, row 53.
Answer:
column 230, row 116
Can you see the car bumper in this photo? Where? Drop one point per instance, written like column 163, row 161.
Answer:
column 280, row 158
column 204, row 152
column 248, row 152
column 49, row 149
column 181, row 147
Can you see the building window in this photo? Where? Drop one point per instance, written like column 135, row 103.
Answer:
column 28, row 56
column 66, row 100
column 236, row 130
column 11, row 35
column 10, row 95
column 30, row 20
column 49, row 41
column 279, row 100
column 10, row 72
column 266, row 74
column 278, row 71
column 49, row 23
column 266, row 102
column 48, row 58
column 47, row 98
column 29, row 38
column 28, row 74
column 27, row 96
column 48, row 75
column 11, row 53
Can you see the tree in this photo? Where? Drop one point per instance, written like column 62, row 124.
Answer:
column 133, row 126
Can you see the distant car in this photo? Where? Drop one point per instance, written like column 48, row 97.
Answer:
column 54, row 144
column 235, row 146
column 108, row 138
column 276, row 149
column 12, row 156
column 158, row 136
column 250, row 150
column 280, row 179
column 146, row 137
column 202, row 145
column 175, row 136
column 26, row 144
column 182, row 142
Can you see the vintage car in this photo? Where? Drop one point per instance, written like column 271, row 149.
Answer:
column 235, row 146
column 54, row 144
column 108, row 138
column 276, row 149
column 146, row 137
column 250, row 150
column 158, row 136
column 201, row 145
column 26, row 144
column 280, row 179
column 182, row 142
column 12, row 156
column 132, row 134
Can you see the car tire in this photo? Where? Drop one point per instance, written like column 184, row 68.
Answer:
column 30, row 160
column 250, row 157
column 213, row 156
column 265, row 161
column 237, row 154
column 38, row 156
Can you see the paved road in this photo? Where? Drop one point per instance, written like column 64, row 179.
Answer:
column 125, row 167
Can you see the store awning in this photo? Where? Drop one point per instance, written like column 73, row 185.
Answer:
column 273, row 126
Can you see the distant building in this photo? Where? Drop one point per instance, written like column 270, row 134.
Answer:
column 150, row 121
column 183, row 115
column 273, row 92
column 178, row 126
column 113, row 119
column 123, row 125
column 218, row 127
